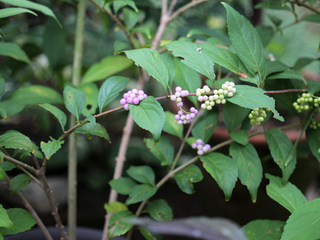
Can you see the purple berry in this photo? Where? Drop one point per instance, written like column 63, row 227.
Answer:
column 194, row 145
column 178, row 89
column 177, row 117
column 200, row 152
column 180, row 112
column 126, row 107
column 180, row 122
column 135, row 91
column 123, row 101
column 199, row 141
column 129, row 100
column 135, row 101
column 126, row 95
column 180, row 104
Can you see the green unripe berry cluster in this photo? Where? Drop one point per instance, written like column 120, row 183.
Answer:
column 257, row 116
column 305, row 102
column 314, row 124
column 217, row 96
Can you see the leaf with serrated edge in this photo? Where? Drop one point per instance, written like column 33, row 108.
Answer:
column 119, row 224
column 51, row 147
column 186, row 177
column 160, row 210
column 18, row 183
column 15, row 140
column 141, row 192
column 143, row 174
column 5, row 221
column 122, row 185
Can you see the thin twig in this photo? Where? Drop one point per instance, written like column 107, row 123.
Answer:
column 286, row 91
column 303, row 4
column 21, row 164
column 184, row 8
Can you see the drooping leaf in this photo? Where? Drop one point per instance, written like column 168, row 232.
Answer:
column 223, row 169
column 234, row 115
column 122, row 185
column 8, row 12
column 304, row 222
column 171, row 126
column 110, row 89
column 21, row 219
column 246, row 41
column 14, row 51
column 252, row 97
column 142, row 174
column 193, row 57
column 119, row 224
column 107, row 67
column 149, row 115
column 163, row 150
column 148, row 235
column 16, row 140
column 18, row 183
column 91, row 90
column 51, row 147
column 160, row 210
column 74, row 100
column 264, row 229
column 240, row 136
column 287, row 74
column 151, row 62
column 35, row 94
column 5, row 221
column 130, row 18
column 280, row 147
column 186, row 177
column 313, row 138
column 287, row 195
column 93, row 128
column 275, row 67
column 141, row 192
column 60, row 115
column 249, row 167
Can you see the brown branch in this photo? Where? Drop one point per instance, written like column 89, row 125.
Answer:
column 303, row 4
column 21, row 164
column 286, row 91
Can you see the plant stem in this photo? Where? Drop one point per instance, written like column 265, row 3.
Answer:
column 21, row 164
column 303, row 4
column 72, row 147
column 286, row 91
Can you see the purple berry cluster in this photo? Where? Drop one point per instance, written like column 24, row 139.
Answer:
column 185, row 118
column 133, row 96
column 201, row 146
column 177, row 97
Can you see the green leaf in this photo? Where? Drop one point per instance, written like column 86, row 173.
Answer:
column 192, row 57
column 252, row 97
column 313, row 138
column 74, row 100
column 148, row 235
column 14, row 51
column 91, row 90
column 121, row 3
column 131, row 18
column 18, row 183
column 280, row 147
column 169, row 62
column 240, row 136
column 288, row 195
column 35, row 94
column 9, row 108
column 8, row 12
column 275, row 67
column 287, row 74
column 119, row 223
column 2, row 85
column 35, row 6
column 107, row 67
column 122, row 185
column 313, row 86
column 264, row 229
column 5, row 221
column 171, row 126
column 249, row 167
column 234, row 115
column 186, row 177
column 7, row 166
column 15, row 140
column 149, row 115
column 21, row 219
column 223, row 169
column 151, row 62
column 163, row 150
column 312, row 18
column 2, row 172
column 60, row 115
column 113, row 207
column 304, row 222
column 159, row 210
column 187, row 79
column 143, row 174
column 51, row 147
column 110, row 90
column 141, row 192
column 206, row 124
column 246, row 41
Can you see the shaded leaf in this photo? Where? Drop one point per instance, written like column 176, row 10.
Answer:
column 51, row 147
column 143, row 174
column 91, row 90
column 186, row 177
column 60, row 115
column 74, row 100
column 263, row 229
column 313, row 138
column 169, row 62
column 141, row 192
column 240, row 136
column 8, row 12
column 234, row 115
column 18, row 183
column 14, row 51
column 159, row 210
column 122, row 185
column 163, row 150
column 170, row 126
column 9, row 108
column 15, row 140
column 119, row 224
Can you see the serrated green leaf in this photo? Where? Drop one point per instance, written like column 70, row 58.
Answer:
column 51, row 147
column 223, row 169
column 304, row 222
column 192, row 57
column 5, row 221
column 264, row 229
column 186, row 177
column 280, row 147
column 151, row 62
column 141, row 192
column 18, row 183
column 252, row 97
column 15, row 140
column 35, row 94
column 74, row 100
column 171, row 126
column 287, row 195
column 119, row 223
column 234, row 115
column 8, row 12
column 113, row 207
column 240, row 136
column 159, row 210
column 93, row 128
column 149, row 115
column 313, row 138
column 143, row 174
column 246, row 41
column 107, row 67
column 205, row 125
column 163, row 150
column 60, row 115
column 249, row 167
column 91, row 90
column 14, row 51
column 110, row 90
column 122, row 185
